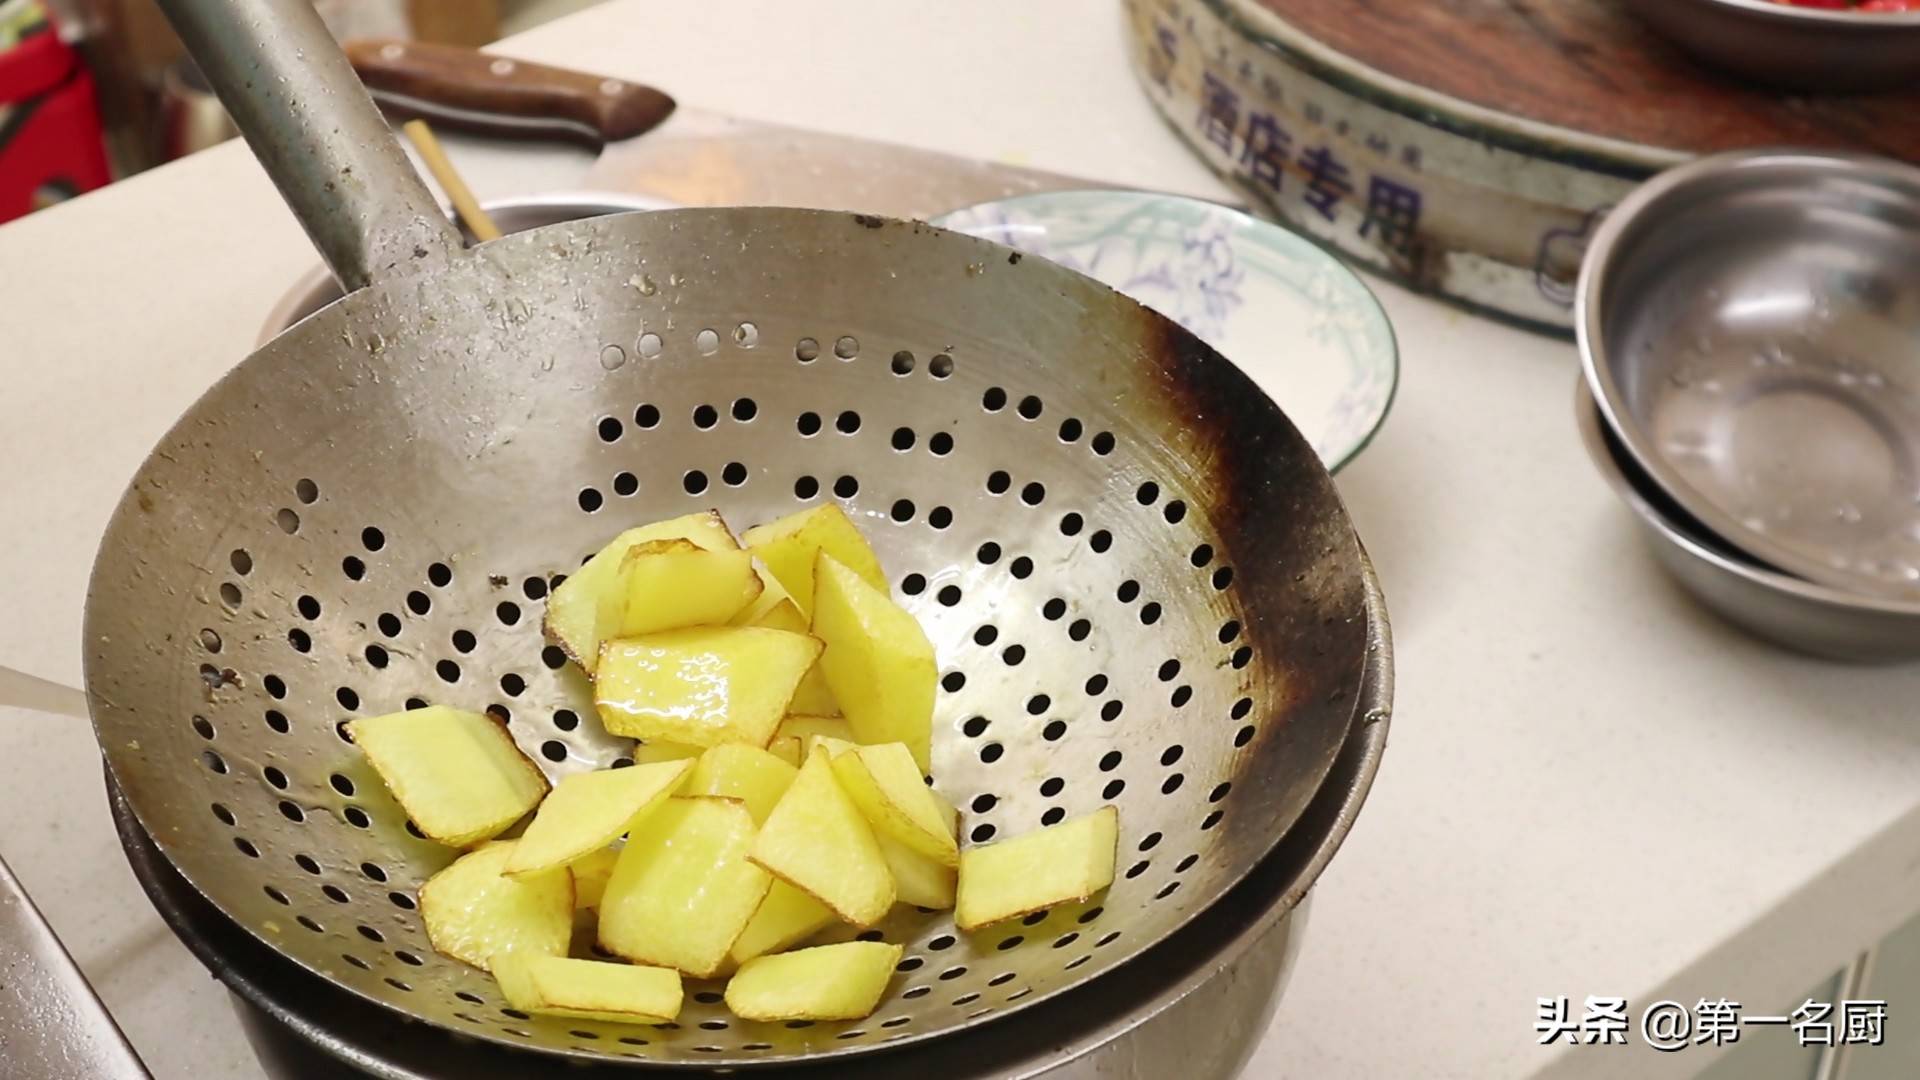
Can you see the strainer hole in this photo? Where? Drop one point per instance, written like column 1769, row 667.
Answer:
column 989, row 553
column 632, row 1040
column 1167, row 890
column 389, row 624
column 553, row 750
column 846, row 487
column 966, row 999
column 308, row 606
column 1174, row 512
column 225, row 815
column 1034, row 493
column 348, row 700
column 1038, row 704
column 1211, row 820
column 902, row 510
column 1111, row 710
column 998, row 482
column 611, row 429
column 1223, row 577
column 370, row 933
column 708, row 997
column 591, row 499
column 1013, row 654
column 949, row 595
column 986, row 635
column 397, row 984
column 230, row 594
column 246, row 847
column 798, row 1024
column 870, row 935
column 902, row 439
column 1110, row 761
column 913, row 584
column 1186, row 864
column 401, row 900
column 983, row 803
column 471, row 999
column 1078, row 629
column 1077, row 961
column 940, row 366
column 847, row 347
column 1107, row 939
column 734, row 474
column 203, row 727
column 806, row 488
column 335, row 893
column 694, row 482
column 1090, row 914
column 353, row 568
column 275, row 777
column 1172, row 783
column 981, row 833
column 288, row 521
column 1010, row 943
column 357, row 817
column 941, row 444
column 373, row 872
column 1052, row 786
column 649, row 346
column 553, row 657
column 991, row 752
column 1138, row 868
column 943, row 942
column 994, row 399
column 306, row 862
column 507, row 612
column 1070, row 430
column 952, row 681
column 1147, row 493
column 1053, row 816
column 1054, row 731
column 1021, row 567
column 705, row 416
column 447, row 670
column 713, row 1025
column 1096, row 684
column 1003, row 978
column 1172, row 754
column 1065, row 940
column 372, row 538
column 807, row 424
column 1150, row 613
column 646, row 416
column 416, row 703
column 1241, row 708
column 275, row 895
column 940, row 517
column 902, row 363
column 1229, row 630
column 355, row 961
column 1150, row 841
column 1219, row 792
column 1180, row 696
column 514, row 1014
column 896, row 1021
column 1113, row 789
column 1071, row 524
column 241, row 562
column 566, row 719
column 707, row 341
column 1018, row 994
column 209, row 639
column 464, row 641
column 1102, row 443
column 299, row 639
column 292, row 812
column 419, row 603
column 1029, row 407
column 847, row 422
column 1054, row 609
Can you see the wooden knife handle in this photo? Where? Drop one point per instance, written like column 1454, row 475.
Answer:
column 495, row 95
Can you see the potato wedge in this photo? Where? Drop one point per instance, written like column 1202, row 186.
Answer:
column 812, row 695
column 588, row 989
column 588, row 811
column 786, row 918
column 878, row 662
column 457, row 774
column 786, row 748
column 816, row 840
column 588, row 607
column 656, row 750
column 886, row 785
column 804, row 726
column 474, row 912
column 675, row 583
column 683, row 888
column 590, row 874
column 826, row 982
column 917, row 880
column 702, row 686
column 1054, row 865
column 788, row 547
column 748, row 773
column 772, row 595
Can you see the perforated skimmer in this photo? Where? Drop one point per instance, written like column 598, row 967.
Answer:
column 1139, row 582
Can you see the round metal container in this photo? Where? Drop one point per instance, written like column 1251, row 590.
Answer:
column 1799, row 47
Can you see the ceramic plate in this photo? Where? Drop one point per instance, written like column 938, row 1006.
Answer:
column 1293, row 317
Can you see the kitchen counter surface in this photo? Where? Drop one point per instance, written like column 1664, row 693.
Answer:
column 1592, row 787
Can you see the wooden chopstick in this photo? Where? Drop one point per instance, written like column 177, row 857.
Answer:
column 458, row 193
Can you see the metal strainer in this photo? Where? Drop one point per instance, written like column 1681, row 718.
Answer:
column 1140, row 584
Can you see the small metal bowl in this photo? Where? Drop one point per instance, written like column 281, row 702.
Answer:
column 1748, row 323
column 1801, row 48
column 1782, row 609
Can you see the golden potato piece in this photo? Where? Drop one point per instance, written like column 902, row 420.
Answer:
column 1054, row 865
column 474, row 912
column 588, row 811
column 457, row 774
column 826, row 982
column 788, row 547
column 590, row 874
column 786, row 918
column 772, row 595
column 886, row 785
column 816, row 840
column 588, row 989
column 917, row 880
column 683, row 888
column 804, row 727
column 748, row 773
column 654, row 750
column 702, row 686
column 676, row 583
column 786, row 748
column 878, row 662
column 812, row 695
column 589, row 606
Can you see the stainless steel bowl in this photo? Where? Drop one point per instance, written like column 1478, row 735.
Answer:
column 1801, row 48
column 1749, row 323
column 1785, row 610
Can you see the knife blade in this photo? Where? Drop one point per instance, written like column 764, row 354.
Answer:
column 649, row 144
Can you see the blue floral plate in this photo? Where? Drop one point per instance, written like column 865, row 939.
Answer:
column 1290, row 315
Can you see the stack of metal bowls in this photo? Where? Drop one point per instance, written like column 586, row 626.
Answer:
column 1749, row 326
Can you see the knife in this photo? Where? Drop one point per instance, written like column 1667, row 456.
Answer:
column 690, row 156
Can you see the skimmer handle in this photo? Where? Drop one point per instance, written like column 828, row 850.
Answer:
column 55, row 1026
column 292, row 93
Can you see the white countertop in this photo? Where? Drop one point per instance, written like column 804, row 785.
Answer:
column 1592, row 786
